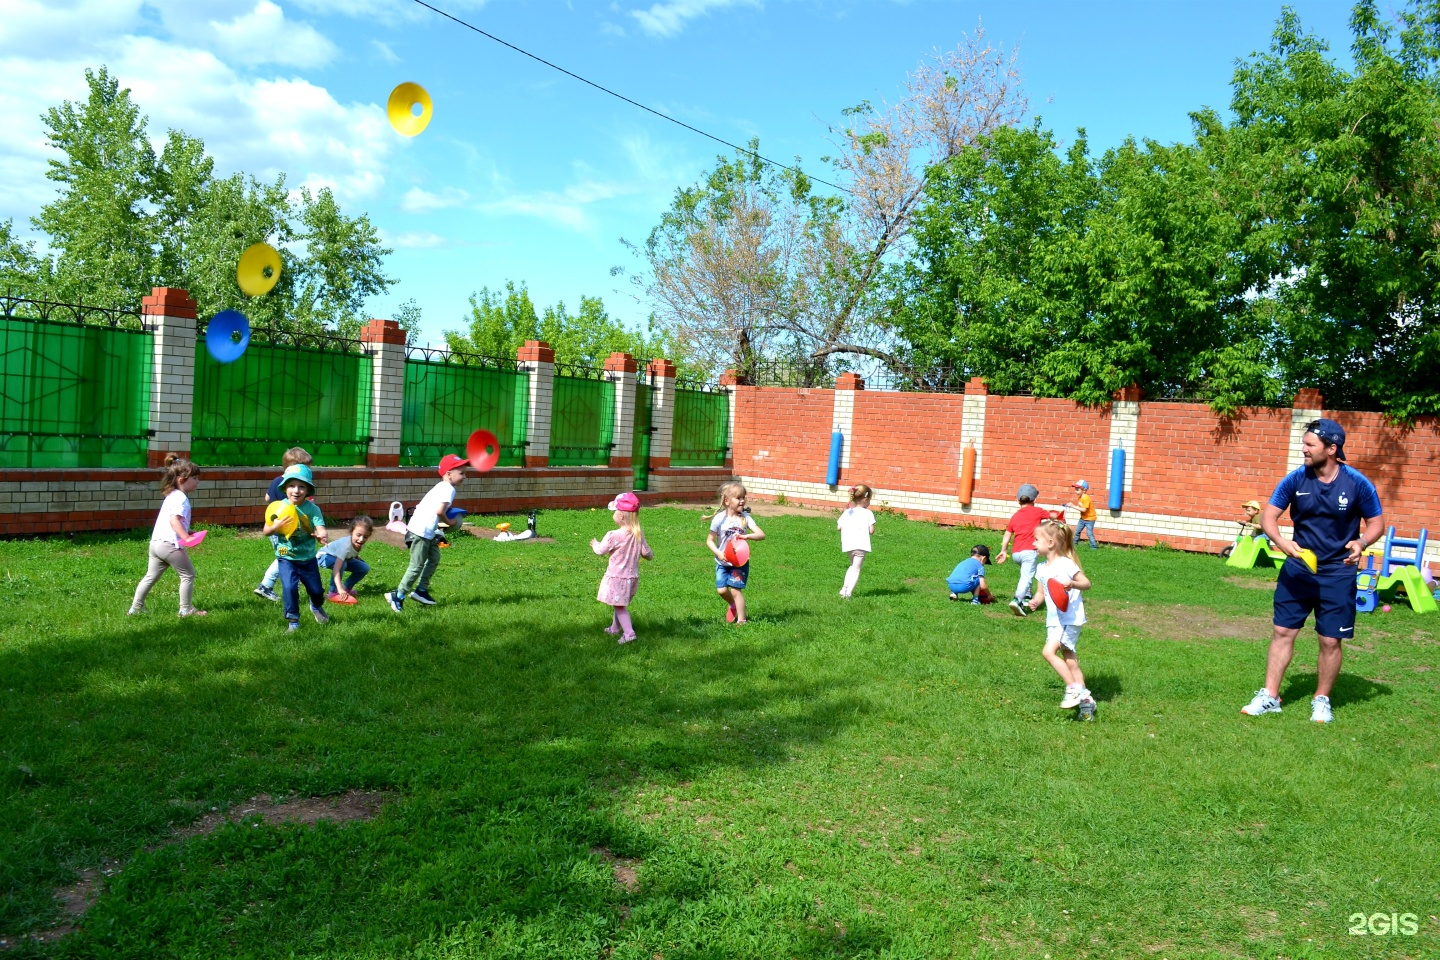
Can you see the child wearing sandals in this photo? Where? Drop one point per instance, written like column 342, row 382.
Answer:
column 625, row 545
column 732, row 522
column 168, row 540
column 1055, row 544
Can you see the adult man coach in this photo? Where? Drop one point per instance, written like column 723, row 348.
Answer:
column 1327, row 500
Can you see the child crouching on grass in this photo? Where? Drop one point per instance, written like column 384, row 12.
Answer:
column 343, row 556
column 732, row 522
column 172, row 527
column 296, row 548
column 969, row 576
column 625, row 545
column 1055, row 545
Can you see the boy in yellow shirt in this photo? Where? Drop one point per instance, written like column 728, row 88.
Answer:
column 1086, row 524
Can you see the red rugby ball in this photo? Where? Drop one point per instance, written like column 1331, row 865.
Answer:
column 1059, row 596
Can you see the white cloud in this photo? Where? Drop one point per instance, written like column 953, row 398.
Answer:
column 566, row 208
column 417, row 200
column 386, row 54
column 264, row 36
column 668, row 18
column 33, row 28
column 416, row 240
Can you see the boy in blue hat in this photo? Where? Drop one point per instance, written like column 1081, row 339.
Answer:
column 296, row 550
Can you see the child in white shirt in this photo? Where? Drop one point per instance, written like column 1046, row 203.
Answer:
column 856, row 524
column 422, row 534
column 1055, row 545
column 167, row 541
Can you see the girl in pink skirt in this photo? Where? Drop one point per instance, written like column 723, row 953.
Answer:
column 625, row 545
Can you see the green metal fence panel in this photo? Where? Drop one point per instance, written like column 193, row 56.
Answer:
column 582, row 422
column 640, row 448
column 702, row 428
column 73, row 395
column 277, row 396
column 448, row 398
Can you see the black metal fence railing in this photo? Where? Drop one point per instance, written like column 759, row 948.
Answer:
column 579, row 371
column 459, row 358
column 17, row 307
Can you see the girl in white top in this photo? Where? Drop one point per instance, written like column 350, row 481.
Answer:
column 1055, row 545
column 856, row 524
column 172, row 527
column 732, row 522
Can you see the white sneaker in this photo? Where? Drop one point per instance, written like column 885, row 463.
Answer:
column 1017, row 609
column 1262, row 703
column 1320, row 710
column 1073, row 698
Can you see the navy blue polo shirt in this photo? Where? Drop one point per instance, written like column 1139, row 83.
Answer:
column 1327, row 515
column 277, row 489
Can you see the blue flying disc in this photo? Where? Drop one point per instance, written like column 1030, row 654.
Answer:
column 455, row 515
column 221, row 336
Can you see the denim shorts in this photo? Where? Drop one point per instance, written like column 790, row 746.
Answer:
column 733, row 577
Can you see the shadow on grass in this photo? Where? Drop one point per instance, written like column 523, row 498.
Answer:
column 1349, row 688
column 1104, row 687
column 513, row 742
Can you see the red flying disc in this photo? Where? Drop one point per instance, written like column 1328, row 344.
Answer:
column 1059, row 596
column 194, row 540
column 1057, row 515
column 483, row 450
column 737, row 553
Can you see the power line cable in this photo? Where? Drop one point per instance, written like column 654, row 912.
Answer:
column 634, row 103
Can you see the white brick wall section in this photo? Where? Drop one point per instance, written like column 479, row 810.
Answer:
column 537, row 421
column 972, row 427
column 387, row 397
column 731, row 435
column 1298, row 419
column 623, row 433
column 662, row 417
column 172, row 383
column 1124, row 424
column 844, row 417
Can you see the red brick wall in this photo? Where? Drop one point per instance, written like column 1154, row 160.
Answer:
column 783, row 433
column 1189, row 462
column 1050, row 443
column 909, row 441
column 1403, row 464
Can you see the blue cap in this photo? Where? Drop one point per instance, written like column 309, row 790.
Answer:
column 1330, row 434
column 298, row 471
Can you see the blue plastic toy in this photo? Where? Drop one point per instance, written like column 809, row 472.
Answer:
column 832, row 472
column 1117, row 478
column 227, row 336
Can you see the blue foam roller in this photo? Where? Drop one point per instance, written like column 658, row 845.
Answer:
column 832, row 472
column 1117, row 477
column 220, row 337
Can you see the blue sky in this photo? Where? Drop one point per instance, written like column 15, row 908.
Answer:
column 525, row 174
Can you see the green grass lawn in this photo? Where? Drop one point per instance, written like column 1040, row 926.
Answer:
column 887, row 777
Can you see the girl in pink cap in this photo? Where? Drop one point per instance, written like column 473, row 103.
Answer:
column 625, row 545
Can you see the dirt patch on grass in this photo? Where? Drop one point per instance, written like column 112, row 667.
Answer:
column 490, row 533
column 1250, row 584
column 1179, row 622
column 77, row 898
column 346, row 808
column 623, row 868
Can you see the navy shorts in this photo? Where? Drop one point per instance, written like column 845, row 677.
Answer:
column 1330, row 596
column 735, row 577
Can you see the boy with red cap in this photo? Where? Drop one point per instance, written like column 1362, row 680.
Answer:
column 422, row 534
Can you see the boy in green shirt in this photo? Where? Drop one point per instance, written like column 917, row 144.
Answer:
column 299, row 531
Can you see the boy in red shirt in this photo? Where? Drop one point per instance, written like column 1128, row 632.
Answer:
column 1022, row 526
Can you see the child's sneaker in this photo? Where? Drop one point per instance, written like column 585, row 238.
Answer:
column 975, row 601
column 954, row 596
column 1073, row 698
column 320, row 615
column 293, row 626
column 267, row 593
column 396, row 601
column 423, row 596
column 1017, row 608
column 133, row 611
column 1320, row 710
column 1262, row 703
column 1087, row 708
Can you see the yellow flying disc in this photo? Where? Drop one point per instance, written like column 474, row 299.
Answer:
column 1310, row 559
column 401, row 109
column 250, row 272
column 502, row 527
column 283, row 511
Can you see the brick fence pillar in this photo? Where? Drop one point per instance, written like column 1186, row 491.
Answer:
column 537, row 358
column 1124, row 426
column 171, row 314
column 662, row 412
column 843, row 413
column 1309, row 405
column 972, row 426
column 621, row 369
column 731, row 380
column 387, row 391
